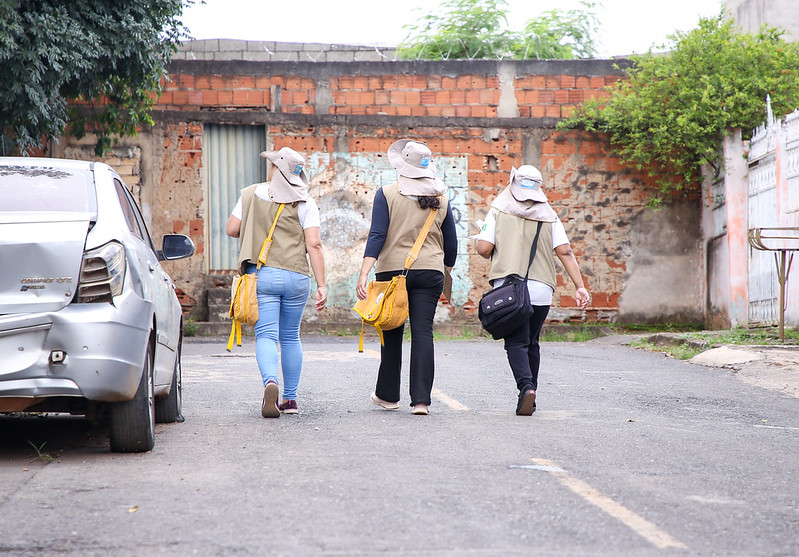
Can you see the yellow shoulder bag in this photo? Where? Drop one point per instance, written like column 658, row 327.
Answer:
column 386, row 303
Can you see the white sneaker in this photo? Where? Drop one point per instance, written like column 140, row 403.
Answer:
column 383, row 403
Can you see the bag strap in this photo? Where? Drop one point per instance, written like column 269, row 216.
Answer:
column 268, row 240
column 414, row 253
column 533, row 249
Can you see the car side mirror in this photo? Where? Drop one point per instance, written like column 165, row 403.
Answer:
column 175, row 246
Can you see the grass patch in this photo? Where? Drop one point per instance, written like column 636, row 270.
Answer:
column 681, row 351
column 190, row 327
column 41, row 456
column 658, row 328
column 740, row 335
column 575, row 335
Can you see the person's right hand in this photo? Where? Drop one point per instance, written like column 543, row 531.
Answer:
column 583, row 297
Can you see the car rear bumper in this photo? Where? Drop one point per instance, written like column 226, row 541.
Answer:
column 102, row 347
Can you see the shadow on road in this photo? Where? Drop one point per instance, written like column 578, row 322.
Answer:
column 35, row 436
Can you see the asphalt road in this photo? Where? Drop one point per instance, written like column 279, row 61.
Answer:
column 629, row 453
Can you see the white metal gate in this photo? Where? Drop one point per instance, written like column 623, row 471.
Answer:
column 763, row 207
column 763, row 302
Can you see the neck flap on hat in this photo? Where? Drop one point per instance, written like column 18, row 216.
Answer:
column 530, row 210
column 282, row 191
column 421, row 186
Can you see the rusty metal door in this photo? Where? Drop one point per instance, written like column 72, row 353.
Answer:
column 232, row 163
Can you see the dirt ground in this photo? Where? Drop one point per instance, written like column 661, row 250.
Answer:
column 770, row 367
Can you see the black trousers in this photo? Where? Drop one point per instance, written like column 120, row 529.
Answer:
column 524, row 353
column 424, row 289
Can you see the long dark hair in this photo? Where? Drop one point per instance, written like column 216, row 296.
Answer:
column 429, row 202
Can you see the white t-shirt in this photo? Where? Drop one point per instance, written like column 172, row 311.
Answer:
column 540, row 292
column 308, row 211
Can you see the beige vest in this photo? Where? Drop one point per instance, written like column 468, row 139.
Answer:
column 288, row 240
column 406, row 220
column 512, row 241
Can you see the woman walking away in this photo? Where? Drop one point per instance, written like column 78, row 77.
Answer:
column 398, row 215
column 518, row 216
column 284, row 282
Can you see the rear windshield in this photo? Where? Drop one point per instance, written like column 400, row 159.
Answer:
column 39, row 188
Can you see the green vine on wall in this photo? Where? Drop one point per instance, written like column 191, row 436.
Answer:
column 669, row 115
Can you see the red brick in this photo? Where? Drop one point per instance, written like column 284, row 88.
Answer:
column 458, row 96
column 472, row 96
column 413, row 98
column 180, row 97
column 405, row 81
column 538, row 81
column 240, row 97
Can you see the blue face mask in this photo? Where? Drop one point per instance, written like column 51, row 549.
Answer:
column 526, row 183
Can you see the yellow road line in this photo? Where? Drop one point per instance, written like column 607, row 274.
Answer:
column 451, row 402
column 640, row 525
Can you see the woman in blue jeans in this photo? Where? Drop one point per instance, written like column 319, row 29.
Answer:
column 284, row 281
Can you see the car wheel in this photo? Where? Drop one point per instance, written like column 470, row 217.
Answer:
column 132, row 422
column 168, row 409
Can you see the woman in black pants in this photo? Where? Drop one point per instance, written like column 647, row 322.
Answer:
column 519, row 216
column 398, row 215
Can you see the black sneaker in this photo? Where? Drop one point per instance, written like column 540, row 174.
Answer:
column 526, row 405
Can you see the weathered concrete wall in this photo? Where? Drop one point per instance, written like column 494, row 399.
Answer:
column 750, row 15
column 480, row 118
column 657, row 288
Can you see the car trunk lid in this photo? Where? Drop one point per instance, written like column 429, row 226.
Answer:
column 40, row 259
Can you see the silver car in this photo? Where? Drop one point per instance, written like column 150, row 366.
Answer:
column 89, row 320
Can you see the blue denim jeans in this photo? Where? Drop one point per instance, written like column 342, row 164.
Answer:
column 282, row 296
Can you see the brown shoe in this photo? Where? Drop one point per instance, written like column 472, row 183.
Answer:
column 269, row 408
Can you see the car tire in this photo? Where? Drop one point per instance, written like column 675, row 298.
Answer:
column 169, row 409
column 132, row 422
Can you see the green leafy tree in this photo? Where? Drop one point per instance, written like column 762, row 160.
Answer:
column 669, row 115
column 93, row 65
column 479, row 29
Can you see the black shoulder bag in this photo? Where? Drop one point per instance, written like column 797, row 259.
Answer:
column 505, row 308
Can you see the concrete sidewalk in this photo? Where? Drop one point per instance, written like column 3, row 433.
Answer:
column 774, row 367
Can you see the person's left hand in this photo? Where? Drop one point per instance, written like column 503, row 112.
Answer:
column 360, row 288
column 321, row 298
column 583, row 297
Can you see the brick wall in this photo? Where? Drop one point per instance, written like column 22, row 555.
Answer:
column 479, row 118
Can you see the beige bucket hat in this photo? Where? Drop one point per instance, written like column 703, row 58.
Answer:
column 525, row 184
column 414, row 163
column 290, row 183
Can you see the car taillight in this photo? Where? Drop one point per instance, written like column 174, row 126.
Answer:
column 102, row 273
